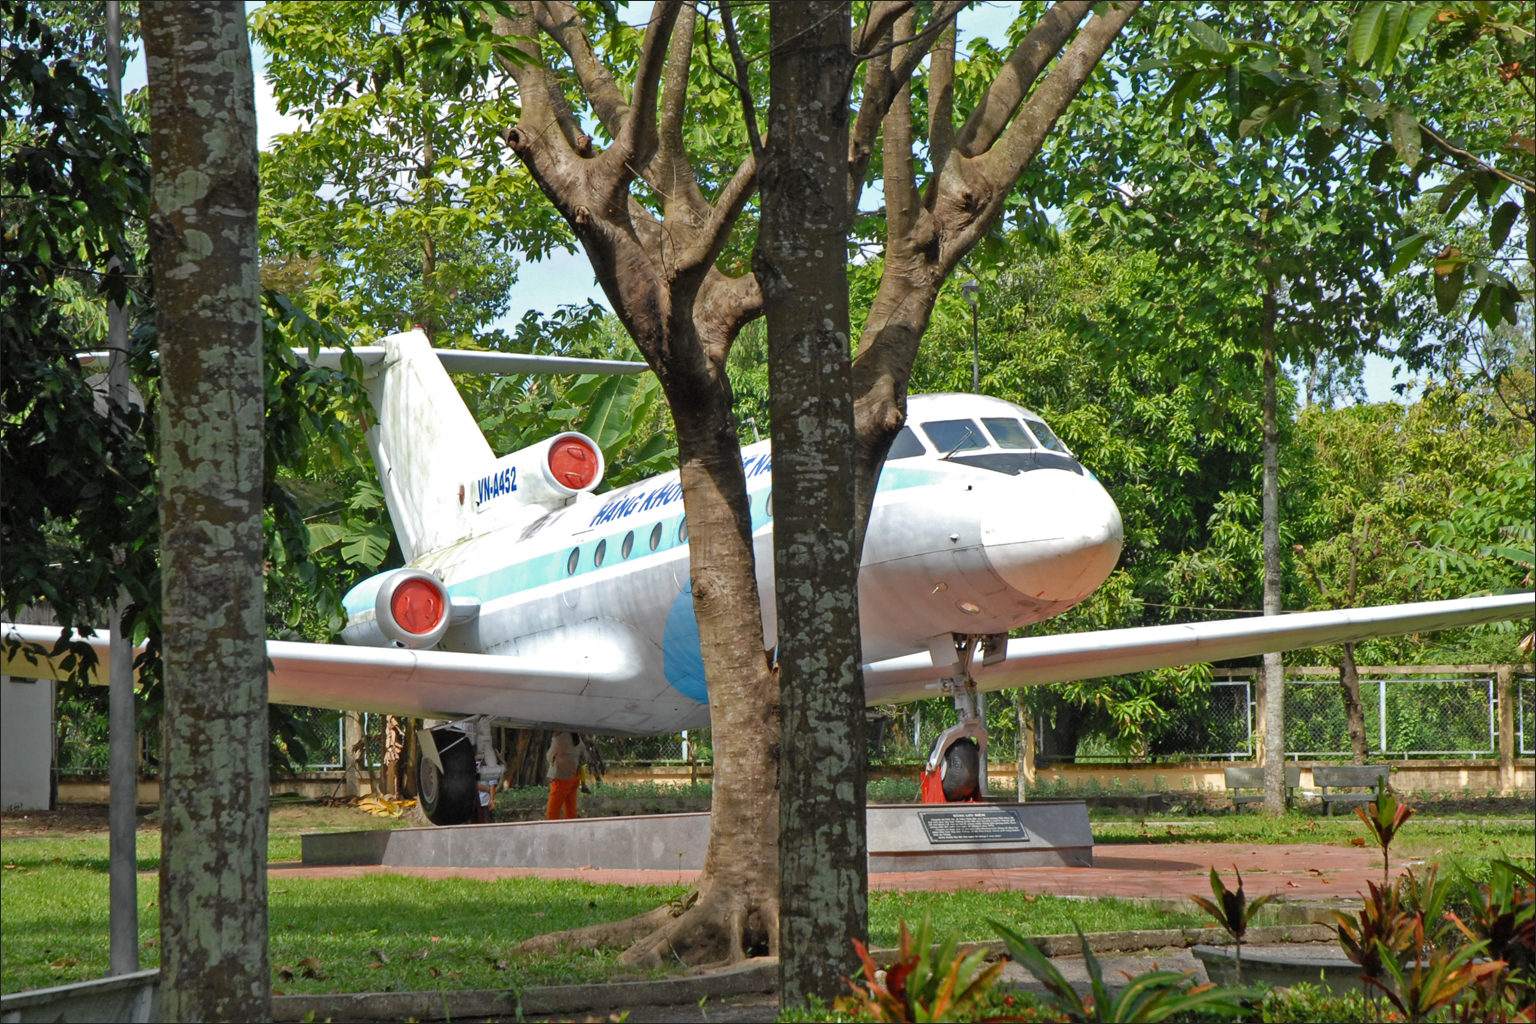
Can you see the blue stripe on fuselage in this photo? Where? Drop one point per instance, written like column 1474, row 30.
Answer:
column 550, row 567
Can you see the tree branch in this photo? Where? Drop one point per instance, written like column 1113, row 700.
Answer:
column 1006, row 159
column 671, row 173
column 742, row 82
column 901, row 199
column 861, row 138
column 544, row 109
column 1024, row 65
column 941, row 100
column 636, row 141
column 563, row 23
column 890, row 69
column 882, row 16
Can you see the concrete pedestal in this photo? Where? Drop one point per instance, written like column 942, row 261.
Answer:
column 902, row 837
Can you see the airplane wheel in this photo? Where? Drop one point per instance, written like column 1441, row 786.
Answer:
column 449, row 797
column 962, row 770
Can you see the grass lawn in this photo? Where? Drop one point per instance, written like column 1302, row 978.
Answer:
column 395, row 932
column 383, row 932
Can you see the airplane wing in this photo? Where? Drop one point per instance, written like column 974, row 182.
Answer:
column 1071, row 656
column 456, row 360
column 538, row 691
column 421, row 684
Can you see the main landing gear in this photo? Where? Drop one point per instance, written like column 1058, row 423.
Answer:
column 458, row 771
column 956, row 771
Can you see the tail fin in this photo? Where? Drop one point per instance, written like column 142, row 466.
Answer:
column 426, row 445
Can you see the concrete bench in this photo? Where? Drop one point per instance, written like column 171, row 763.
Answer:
column 1332, row 778
column 1239, row 779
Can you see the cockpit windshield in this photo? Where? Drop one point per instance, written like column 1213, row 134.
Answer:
column 1009, row 433
column 906, row 446
column 950, row 436
column 1046, row 437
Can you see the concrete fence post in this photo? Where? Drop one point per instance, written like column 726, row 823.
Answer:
column 1506, row 681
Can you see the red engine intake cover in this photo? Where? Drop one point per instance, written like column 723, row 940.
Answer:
column 573, row 463
column 418, row 606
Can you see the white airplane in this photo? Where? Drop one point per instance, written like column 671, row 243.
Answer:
column 529, row 600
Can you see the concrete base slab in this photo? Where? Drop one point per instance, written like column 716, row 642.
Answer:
column 902, row 838
column 965, row 837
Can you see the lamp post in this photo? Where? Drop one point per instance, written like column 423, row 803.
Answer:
column 122, row 738
column 969, row 291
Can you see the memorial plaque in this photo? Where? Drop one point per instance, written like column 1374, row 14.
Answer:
column 978, row 826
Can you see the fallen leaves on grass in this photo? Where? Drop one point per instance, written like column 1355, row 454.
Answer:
column 63, row 962
column 420, row 954
column 379, row 955
column 384, row 807
column 497, row 965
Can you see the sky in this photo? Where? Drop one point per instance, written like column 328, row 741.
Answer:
column 566, row 278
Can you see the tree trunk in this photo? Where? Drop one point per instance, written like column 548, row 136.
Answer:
column 1274, row 668
column 1025, row 779
column 203, row 235
column 801, row 267
column 1354, row 714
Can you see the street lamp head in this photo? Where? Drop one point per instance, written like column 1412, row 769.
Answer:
column 969, row 291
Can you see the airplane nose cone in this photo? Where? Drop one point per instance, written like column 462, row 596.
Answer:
column 1056, row 538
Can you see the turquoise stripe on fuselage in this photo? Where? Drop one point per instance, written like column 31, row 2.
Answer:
column 551, row 567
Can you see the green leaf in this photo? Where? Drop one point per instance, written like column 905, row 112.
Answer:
column 1208, row 38
column 1405, row 136
column 1376, row 170
column 1503, row 220
column 1366, row 31
column 1407, row 251
column 367, row 546
column 1448, row 289
column 608, row 421
column 323, row 535
column 1393, row 25
column 1421, row 16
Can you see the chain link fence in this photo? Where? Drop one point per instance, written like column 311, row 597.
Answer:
column 1440, row 713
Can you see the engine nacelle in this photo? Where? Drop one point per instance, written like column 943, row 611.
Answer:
column 548, row 473
column 412, row 609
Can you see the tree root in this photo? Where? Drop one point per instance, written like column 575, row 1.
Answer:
column 703, row 930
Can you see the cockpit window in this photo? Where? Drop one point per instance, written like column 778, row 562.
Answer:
column 950, row 436
column 1009, row 433
column 906, row 446
column 1047, row 438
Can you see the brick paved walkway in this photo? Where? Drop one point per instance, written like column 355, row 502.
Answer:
column 1135, row 870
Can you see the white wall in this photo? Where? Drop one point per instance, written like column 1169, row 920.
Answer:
column 26, row 727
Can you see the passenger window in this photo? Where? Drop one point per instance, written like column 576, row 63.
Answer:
column 950, row 436
column 1009, row 433
column 1047, row 438
column 906, row 446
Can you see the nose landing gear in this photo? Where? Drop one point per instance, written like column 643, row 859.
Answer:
column 956, row 771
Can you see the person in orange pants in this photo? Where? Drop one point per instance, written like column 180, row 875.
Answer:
column 565, row 755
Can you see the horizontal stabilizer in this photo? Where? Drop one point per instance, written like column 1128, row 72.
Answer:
column 456, row 360
column 1071, row 656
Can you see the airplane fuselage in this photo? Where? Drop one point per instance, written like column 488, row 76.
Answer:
column 974, row 530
